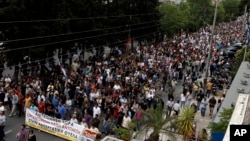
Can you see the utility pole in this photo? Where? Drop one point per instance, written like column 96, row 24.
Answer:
column 211, row 42
column 245, row 21
column 246, row 18
column 129, row 34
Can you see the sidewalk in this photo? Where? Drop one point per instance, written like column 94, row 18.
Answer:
column 204, row 122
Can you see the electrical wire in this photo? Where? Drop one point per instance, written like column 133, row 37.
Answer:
column 44, row 59
column 70, row 19
column 65, row 41
column 58, row 35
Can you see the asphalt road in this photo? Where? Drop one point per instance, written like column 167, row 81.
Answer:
column 13, row 125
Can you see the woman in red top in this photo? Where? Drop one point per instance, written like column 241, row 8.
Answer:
column 116, row 111
column 41, row 106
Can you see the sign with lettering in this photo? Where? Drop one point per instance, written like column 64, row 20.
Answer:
column 62, row 128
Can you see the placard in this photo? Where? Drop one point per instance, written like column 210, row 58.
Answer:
column 62, row 128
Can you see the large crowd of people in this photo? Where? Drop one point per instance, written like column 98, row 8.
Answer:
column 106, row 90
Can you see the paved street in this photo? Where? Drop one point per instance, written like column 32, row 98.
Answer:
column 202, row 122
column 13, row 124
column 12, row 127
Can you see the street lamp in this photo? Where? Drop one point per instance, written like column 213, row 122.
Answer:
column 211, row 42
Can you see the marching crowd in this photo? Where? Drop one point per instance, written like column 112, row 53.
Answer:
column 106, row 90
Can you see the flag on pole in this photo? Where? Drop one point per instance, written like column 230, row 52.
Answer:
column 248, row 34
column 214, row 1
column 63, row 70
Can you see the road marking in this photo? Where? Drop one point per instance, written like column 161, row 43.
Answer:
column 7, row 132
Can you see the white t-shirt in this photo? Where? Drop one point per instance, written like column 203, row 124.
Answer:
column 2, row 108
column 96, row 111
column 68, row 103
column 126, row 121
column 7, row 80
column 73, row 120
column 2, row 119
column 117, row 87
column 183, row 98
column 6, row 97
column 39, row 97
column 176, row 107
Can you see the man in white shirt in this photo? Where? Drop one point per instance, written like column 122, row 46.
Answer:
column 183, row 100
column 2, row 109
column 169, row 104
column 7, row 79
column 39, row 97
column 176, row 108
column 117, row 86
column 125, row 121
column 96, row 111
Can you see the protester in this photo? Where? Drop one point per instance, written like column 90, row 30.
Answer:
column 118, row 86
column 22, row 135
column 31, row 136
column 2, row 125
column 14, row 100
column 212, row 102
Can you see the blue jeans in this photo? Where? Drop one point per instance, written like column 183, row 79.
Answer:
column 203, row 111
column 183, row 104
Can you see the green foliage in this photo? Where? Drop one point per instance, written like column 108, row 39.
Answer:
column 172, row 18
column 222, row 125
column 125, row 134
column 185, row 121
column 201, row 11
column 193, row 14
column 231, row 9
column 220, row 14
column 187, row 16
column 242, row 5
column 239, row 58
column 154, row 119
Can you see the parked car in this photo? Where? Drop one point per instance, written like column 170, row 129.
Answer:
column 231, row 50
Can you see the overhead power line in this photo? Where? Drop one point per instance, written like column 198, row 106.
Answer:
column 58, row 35
column 71, row 19
column 65, row 41
column 47, row 58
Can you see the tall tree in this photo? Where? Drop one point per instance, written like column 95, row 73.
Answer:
column 172, row 18
column 201, row 11
column 231, row 9
column 242, row 5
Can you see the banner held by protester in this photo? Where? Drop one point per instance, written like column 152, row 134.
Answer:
column 62, row 128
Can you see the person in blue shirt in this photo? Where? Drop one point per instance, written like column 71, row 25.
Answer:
column 55, row 101
column 14, row 101
column 33, row 107
column 61, row 110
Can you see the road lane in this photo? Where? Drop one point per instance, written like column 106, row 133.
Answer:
column 13, row 125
